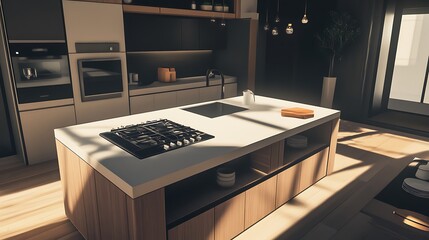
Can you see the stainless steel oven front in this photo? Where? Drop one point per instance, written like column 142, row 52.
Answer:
column 100, row 78
column 41, row 71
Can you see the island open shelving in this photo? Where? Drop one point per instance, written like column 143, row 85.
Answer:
column 108, row 193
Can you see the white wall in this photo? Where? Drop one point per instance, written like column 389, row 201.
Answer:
column 411, row 58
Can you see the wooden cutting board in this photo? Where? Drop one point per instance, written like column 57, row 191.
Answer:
column 297, row 112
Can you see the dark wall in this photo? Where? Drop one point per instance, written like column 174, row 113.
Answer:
column 294, row 64
column 6, row 143
column 233, row 60
column 357, row 68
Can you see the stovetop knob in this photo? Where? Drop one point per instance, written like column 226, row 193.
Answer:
column 199, row 138
column 186, row 141
column 192, row 140
column 179, row 143
column 166, row 147
column 172, row 144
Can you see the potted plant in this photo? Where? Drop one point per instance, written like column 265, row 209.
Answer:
column 341, row 30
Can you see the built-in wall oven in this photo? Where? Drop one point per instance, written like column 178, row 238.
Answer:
column 41, row 71
column 100, row 78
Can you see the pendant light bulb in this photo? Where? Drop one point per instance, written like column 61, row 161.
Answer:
column 289, row 29
column 212, row 20
column 266, row 27
column 223, row 23
column 304, row 19
column 275, row 31
column 277, row 19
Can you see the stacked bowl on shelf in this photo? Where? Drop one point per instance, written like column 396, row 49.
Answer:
column 225, row 177
column 297, row 141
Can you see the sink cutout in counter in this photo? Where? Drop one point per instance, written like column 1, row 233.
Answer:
column 213, row 110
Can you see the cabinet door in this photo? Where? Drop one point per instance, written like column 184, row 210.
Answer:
column 313, row 169
column 38, row 130
column 230, row 90
column 199, row 227
column 229, row 218
column 288, row 184
column 260, row 201
column 141, row 104
column 210, row 93
column 102, row 1
column 190, row 34
column 212, row 35
column 164, row 100
column 151, row 32
column 93, row 22
column 34, row 20
column 189, row 96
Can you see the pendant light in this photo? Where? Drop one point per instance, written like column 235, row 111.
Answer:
column 277, row 20
column 275, row 31
column 266, row 26
column 223, row 23
column 304, row 19
column 213, row 19
column 289, row 29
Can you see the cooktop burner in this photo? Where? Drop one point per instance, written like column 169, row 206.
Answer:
column 154, row 137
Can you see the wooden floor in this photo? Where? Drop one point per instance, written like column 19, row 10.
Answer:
column 367, row 159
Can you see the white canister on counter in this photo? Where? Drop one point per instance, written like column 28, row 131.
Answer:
column 248, row 97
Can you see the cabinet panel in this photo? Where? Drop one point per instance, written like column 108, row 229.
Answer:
column 288, row 184
column 38, row 130
column 109, row 227
column 199, row 227
column 230, row 90
column 32, row 20
column 141, row 104
column 164, row 100
column 101, row 1
column 229, row 218
column 212, row 36
column 151, row 32
column 313, row 169
column 190, row 34
column 189, row 96
column 260, row 201
column 93, row 22
column 210, row 93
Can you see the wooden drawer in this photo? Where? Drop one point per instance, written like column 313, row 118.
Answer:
column 288, row 184
column 260, row 201
column 229, row 218
column 199, row 227
column 313, row 169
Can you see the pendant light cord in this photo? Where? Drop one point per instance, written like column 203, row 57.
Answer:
column 305, row 9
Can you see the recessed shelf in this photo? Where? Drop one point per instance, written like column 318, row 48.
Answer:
column 176, row 12
column 199, row 193
column 294, row 155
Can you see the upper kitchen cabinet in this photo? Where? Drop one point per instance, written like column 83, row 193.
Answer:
column 102, row 1
column 212, row 35
column 184, row 8
column 29, row 20
column 152, row 32
column 90, row 22
column 166, row 33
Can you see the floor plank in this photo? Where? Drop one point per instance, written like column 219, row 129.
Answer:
column 31, row 205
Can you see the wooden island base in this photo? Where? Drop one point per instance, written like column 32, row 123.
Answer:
column 266, row 179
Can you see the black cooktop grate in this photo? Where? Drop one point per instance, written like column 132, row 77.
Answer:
column 154, row 137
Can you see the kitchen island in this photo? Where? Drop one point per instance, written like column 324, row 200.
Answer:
column 110, row 194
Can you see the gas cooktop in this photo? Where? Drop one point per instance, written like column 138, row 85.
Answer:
column 154, row 137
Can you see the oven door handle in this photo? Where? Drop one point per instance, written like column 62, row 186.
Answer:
column 413, row 219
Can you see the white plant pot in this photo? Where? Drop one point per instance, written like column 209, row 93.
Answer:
column 328, row 91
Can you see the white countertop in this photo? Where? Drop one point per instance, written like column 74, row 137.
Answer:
column 235, row 135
